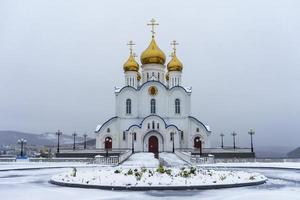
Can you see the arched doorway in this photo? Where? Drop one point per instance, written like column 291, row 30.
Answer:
column 153, row 145
column 108, row 143
column 197, row 143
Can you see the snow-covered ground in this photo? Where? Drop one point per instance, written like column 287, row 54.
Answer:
column 286, row 165
column 141, row 160
column 29, row 165
column 33, row 185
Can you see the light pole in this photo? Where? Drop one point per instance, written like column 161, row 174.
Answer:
column 74, row 136
column 22, row 142
column 222, row 141
column 251, row 133
column 58, row 133
column 172, row 136
column 233, row 135
column 132, row 142
column 84, row 144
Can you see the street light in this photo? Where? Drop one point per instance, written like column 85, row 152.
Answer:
column 251, row 133
column 74, row 136
column 84, row 144
column 233, row 135
column 132, row 141
column 222, row 140
column 22, row 142
column 200, row 147
column 58, row 133
column 172, row 137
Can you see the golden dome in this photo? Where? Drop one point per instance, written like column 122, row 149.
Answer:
column 174, row 64
column 138, row 76
column 153, row 54
column 131, row 64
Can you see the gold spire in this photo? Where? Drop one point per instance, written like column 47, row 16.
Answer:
column 131, row 64
column 174, row 64
column 153, row 54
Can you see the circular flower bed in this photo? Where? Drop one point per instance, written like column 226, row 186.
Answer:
column 160, row 178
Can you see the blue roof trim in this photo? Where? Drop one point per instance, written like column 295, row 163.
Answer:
column 166, row 126
column 153, row 81
column 106, row 123
column 200, row 123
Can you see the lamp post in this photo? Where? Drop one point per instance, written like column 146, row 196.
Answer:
column 74, row 136
column 58, row 133
column 22, row 142
column 251, row 133
column 222, row 140
column 132, row 142
column 84, row 144
column 172, row 136
column 233, row 135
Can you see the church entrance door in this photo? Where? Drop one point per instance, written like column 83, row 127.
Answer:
column 108, row 143
column 153, row 145
column 197, row 143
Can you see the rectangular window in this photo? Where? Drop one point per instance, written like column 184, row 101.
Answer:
column 124, row 135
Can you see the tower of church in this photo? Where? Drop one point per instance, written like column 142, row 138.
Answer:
column 153, row 109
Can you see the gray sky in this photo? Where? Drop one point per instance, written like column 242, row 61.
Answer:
column 60, row 61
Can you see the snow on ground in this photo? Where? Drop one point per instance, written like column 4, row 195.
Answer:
column 172, row 159
column 29, row 165
column 141, row 160
column 287, row 165
column 33, row 185
column 164, row 177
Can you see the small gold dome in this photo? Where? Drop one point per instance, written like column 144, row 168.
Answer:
column 174, row 64
column 167, row 76
column 153, row 54
column 138, row 76
column 131, row 64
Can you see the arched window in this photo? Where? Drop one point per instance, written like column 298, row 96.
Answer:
column 153, row 125
column 128, row 106
column 148, row 125
column 158, row 76
column 108, row 130
column 177, row 106
column 147, row 76
column 157, row 126
column 152, row 106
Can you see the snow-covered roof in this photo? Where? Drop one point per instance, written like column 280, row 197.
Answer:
column 208, row 128
column 118, row 89
column 188, row 89
column 98, row 127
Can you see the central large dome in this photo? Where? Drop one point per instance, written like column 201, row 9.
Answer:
column 153, row 54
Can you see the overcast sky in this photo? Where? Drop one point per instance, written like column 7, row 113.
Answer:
column 60, row 61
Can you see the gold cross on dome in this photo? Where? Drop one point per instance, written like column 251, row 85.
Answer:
column 152, row 24
column 130, row 44
column 174, row 43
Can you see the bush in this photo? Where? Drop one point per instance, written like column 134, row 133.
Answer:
column 160, row 169
column 129, row 172
column 74, row 172
column 193, row 170
column 117, row 171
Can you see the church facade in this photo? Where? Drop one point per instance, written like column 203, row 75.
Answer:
column 153, row 109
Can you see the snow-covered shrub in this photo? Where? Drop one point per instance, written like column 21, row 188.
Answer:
column 74, row 172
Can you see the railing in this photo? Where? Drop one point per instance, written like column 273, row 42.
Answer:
column 194, row 159
column 86, row 160
column 216, row 150
column 8, row 159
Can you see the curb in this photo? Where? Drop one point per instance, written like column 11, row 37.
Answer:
column 145, row 188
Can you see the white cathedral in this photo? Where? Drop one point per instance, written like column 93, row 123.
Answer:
column 153, row 109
